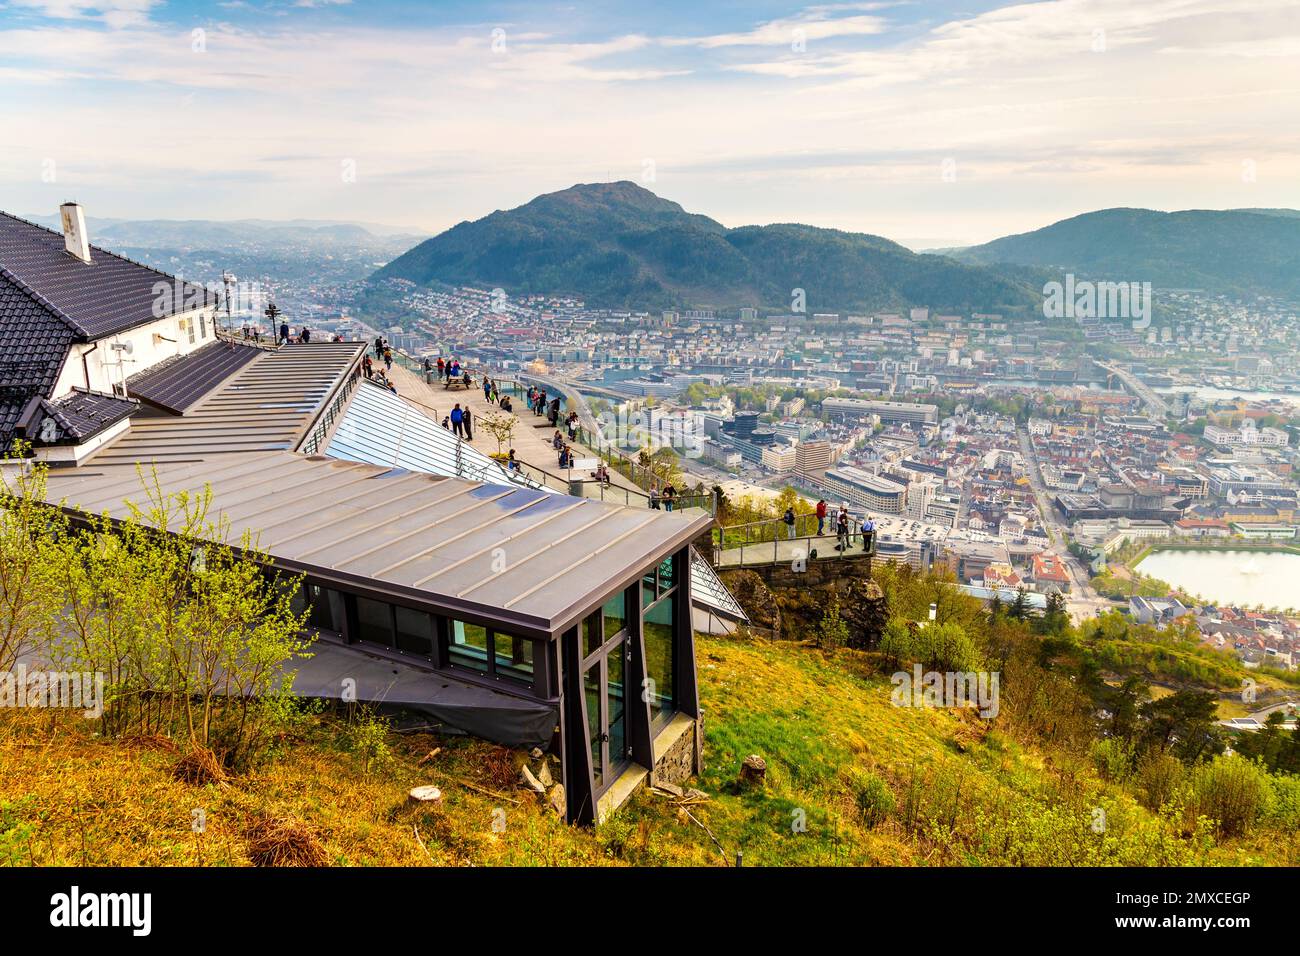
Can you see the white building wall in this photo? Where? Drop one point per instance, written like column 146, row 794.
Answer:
column 152, row 343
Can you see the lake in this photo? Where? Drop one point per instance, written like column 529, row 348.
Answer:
column 1270, row 578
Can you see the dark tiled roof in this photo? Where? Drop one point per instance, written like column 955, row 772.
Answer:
column 82, row 414
column 34, row 342
column 110, row 294
column 178, row 383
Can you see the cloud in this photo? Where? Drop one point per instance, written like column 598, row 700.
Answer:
column 114, row 13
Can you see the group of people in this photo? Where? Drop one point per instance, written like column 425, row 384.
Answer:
column 668, row 497
column 843, row 524
column 461, row 422
column 380, row 376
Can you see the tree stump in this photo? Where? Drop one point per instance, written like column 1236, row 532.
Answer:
column 424, row 795
column 753, row 771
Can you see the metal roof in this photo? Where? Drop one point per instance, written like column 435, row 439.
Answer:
column 266, row 406
column 177, row 385
column 529, row 561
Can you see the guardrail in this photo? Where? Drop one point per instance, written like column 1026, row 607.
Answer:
column 772, row 541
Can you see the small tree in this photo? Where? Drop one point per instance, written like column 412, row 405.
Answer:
column 501, row 426
column 28, row 530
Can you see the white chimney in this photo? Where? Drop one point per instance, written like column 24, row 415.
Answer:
column 74, row 231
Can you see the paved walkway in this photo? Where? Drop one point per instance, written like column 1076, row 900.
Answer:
column 532, row 437
column 785, row 550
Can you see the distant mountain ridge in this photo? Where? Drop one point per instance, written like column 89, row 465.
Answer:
column 620, row 245
column 1232, row 251
column 172, row 233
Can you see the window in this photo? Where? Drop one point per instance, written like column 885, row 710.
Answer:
column 468, row 646
column 375, row 622
column 658, row 581
column 414, row 631
column 604, row 624
column 203, row 326
column 659, row 656
column 503, row 656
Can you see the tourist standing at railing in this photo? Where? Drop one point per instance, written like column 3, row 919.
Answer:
column 821, row 515
column 284, row 333
column 441, row 367
column 842, row 530
column 368, row 367
column 379, row 347
column 789, row 520
column 654, row 496
column 305, row 335
column 868, row 533
column 670, row 495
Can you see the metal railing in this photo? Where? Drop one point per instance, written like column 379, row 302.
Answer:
column 316, row 439
column 772, row 541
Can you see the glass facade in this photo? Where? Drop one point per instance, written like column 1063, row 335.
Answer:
column 660, row 657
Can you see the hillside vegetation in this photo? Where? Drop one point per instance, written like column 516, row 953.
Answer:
column 619, row 245
column 1237, row 251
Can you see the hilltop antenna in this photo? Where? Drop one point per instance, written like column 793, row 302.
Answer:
column 227, row 280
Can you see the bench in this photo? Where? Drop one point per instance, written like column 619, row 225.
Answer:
column 457, row 383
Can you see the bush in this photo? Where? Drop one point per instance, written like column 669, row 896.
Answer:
column 874, row 801
column 1157, row 778
column 1114, row 758
column 1284, row 812
column 1232, row 791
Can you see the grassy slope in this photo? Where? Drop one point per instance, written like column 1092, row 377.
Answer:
column 67, row 797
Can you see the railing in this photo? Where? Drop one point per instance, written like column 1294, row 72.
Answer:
column 325, row 421
column 773, row 541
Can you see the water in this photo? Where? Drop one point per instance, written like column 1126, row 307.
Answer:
column 1269, row 578
column 1210, row 393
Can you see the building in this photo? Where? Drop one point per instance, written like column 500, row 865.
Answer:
column 812, row 457
column 76, row 324
column 875, row 493
column 439, row 583
column 905, row 412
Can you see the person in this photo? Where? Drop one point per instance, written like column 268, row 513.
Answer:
column 391, row 387
column 557, row 440
column 573, row 426
column 466, row 422
column 565, row 460
column 466, row 380
column 511, row 462
column 868, row 533
column 506, row 404
column 446, row 422
column 654, row 497
column 487, row 389
column 305, row 335
column 821, row 515
column 670, row 494
column 388, row 358
column 495, row 396
column 457, row 417
column 440, row 366
column 555, row 412
column 368, row 367
column 789, row 519
column 842, row 529
column 338, row 337
column 379, row 347
column 284, row 333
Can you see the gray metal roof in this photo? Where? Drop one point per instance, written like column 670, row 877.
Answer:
column 531, row 561
column 265, row 406
column 176, row 385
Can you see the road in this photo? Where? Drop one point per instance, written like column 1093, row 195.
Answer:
column 1082, row 600
column 1154, row 403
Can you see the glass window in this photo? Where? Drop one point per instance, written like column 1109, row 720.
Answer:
column 591, row 689
column 514, row 657
column 203, row 326
column 414, row 631
column 468, row 646
column 592, row 634
column 615, row 614
column 374, row 622
column 322, row 608
column 666, row 580
column 648, row 589
column 659, row 650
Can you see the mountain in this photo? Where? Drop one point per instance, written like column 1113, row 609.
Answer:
column 1233, row 251
column 619, row 245
column 215, row 233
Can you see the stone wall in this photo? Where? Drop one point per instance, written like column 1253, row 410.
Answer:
column 683, row 760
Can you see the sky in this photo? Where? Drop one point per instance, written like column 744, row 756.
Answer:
column 933, row 124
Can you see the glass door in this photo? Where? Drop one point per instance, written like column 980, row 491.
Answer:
column 604, row 690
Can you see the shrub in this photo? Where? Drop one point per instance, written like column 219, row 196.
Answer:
column 874, row 801
column 1157, row 778
column 1232, row 791
column 1114, row 758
